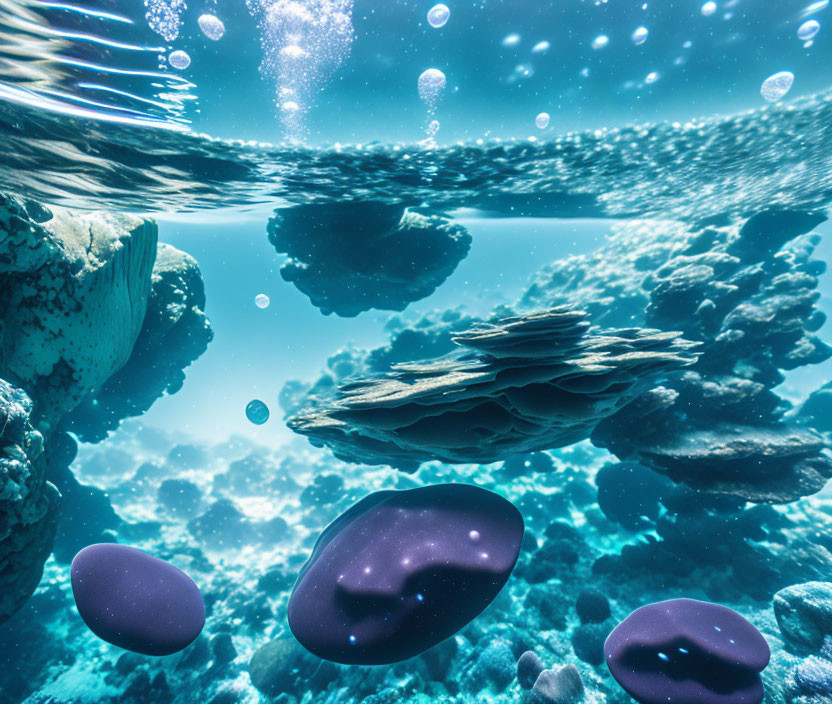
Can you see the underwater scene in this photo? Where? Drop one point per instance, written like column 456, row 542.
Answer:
column 404, row 352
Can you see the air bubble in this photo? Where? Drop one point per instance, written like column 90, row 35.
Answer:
column 542, row 120
column 257, row 412
column 639, row 36
column 776, row 86
column 438, row 15
column 211, row 26
column 600, row 41
column 179, row 59
column 808, row 30
column 708, row 9
column 431, row 84
column 261, row 300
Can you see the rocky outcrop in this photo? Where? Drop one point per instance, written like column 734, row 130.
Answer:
column 353, row 257
column 28, row 503
column 73, row 293
column 518, row 385
column 175, row 332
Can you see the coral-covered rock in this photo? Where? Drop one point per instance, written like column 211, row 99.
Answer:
column 174, row 333
column 804, row 614
column 523, row 384
column 402, row 570
column 352, row 257
column 28, row 503
column 74, row 288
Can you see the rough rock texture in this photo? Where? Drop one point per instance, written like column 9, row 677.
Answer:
column 561, row 686
column 73, row 290
column 804, row 614
column 175, row 332
column 28, row 503
column 352, row 257
column 810, row 682
column 748, row 293
column 518, row 385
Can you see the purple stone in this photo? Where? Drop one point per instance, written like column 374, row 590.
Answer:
column 688, row 652
column 401, row 571
column 136, row 601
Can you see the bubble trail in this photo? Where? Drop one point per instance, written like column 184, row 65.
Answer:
column 438, row 15
column 775, row 87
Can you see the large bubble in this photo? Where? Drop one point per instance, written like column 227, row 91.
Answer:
column 808, row 30
column 257, row 412
column 431, row 85
column 776, row 86
column 438, row 15
column 211, row 26
column 179, row 59
column 708, row 9
column 639, row 36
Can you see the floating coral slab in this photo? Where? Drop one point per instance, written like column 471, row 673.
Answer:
column 402, row 571
column 522, row 384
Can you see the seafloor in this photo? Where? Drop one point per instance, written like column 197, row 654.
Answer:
column 628, row 404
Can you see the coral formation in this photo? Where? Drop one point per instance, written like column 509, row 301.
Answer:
column 353, row 257
column 519, row 384
column 401, row 571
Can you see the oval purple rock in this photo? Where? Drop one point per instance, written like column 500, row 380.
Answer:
column 688, row 652
column 136, row 601
column 401, row 571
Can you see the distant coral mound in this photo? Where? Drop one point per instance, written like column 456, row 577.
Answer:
column 353, row 257
column 520, row 384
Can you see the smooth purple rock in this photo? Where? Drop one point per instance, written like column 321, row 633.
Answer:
column 136, row 601
column 688, row 652
column 401, row 571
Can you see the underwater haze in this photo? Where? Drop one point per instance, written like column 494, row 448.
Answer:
column 362, row 352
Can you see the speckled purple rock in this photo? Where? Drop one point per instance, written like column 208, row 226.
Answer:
column 688, row 652
column 402, row 570
column 136, row 601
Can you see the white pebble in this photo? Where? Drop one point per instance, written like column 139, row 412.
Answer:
column 438, row 15
column 542, row 120
column 179, row 59
column 776, row 86
column 808, row 30
column 211, row 26
column 639, row 36
column 261, row 300
column 708, row 9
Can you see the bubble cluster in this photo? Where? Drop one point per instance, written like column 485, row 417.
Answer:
column 438, row 15
column 211, row 26
column 776, row 86
column 304, row 42
column 639, row 36
column 261, row 300
column 542, row 120
column 808, row 30
column 179, row 59
column 257, row 412
column 708, row 9
column 165, row 17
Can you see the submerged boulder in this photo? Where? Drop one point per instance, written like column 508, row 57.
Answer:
column 690, row 652
column 175, row 332
column 518, row 385
column 28, row 503
column 401, row 571
column 356, row 256
column 74, row 288
column 804, row 614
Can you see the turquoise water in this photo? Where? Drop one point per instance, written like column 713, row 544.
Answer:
column 582, row 270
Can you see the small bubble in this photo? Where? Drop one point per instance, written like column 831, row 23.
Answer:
column 542, row 120
column 257, row 412
column 511, row 40
column 438, row 15
column 808, row 30
column 261, row 300
column 474, row 536
column 708, row 9
column 600, row 41
column 541, row 47
column 211, row 26
column 652, row 77
column 776, row 86
column 179, row 59
column 639, row 36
